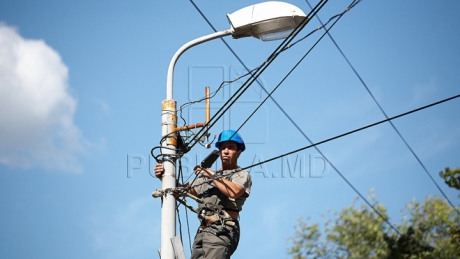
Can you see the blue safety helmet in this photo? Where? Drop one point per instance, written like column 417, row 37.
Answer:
column 231, row 135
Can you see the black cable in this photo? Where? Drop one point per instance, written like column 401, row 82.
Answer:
column 213, row 94
column 286, row 46
column 254, row 76
column 340, row 136
column 354, row 3
column 224, row 41
column 177, row 207
column 181, row 176
column 269, row 96
column 356, row 130
column 179, row 221
column 258, row 81
column 384, row 113
column 388, row 119
column 294, row 33
column 292, row 70
column 261, row 69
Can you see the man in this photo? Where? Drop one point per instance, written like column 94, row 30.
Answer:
column 223, row 193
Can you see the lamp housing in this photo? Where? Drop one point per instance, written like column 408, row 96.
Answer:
column 266, row 21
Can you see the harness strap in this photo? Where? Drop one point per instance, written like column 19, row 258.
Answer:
column 222, row 216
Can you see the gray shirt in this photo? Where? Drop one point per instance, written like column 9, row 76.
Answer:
column 210, row 193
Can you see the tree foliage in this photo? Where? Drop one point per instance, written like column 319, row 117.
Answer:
column 451, row 177
column 427, row 230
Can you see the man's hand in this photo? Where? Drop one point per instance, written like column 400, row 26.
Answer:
column 206, row 172
column 159, row 170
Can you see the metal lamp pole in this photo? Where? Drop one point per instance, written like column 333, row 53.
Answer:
column 169, row 124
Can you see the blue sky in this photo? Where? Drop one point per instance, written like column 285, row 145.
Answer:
column 81, row 89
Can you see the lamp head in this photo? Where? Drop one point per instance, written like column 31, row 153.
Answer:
column 266, row 21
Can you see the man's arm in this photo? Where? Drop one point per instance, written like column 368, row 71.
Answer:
column 159, row 171
column 190, row 190
column 227, row 187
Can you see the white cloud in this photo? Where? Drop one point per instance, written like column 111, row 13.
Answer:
column 36, row 109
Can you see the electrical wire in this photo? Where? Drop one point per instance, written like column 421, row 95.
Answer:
column 213, row 94
column 179, row 221
column 356, row 130
column 294, row 67
column 181, row 176
column 353, row 4
column 292, row 121
column 261, row 69
column 337, row 137
column 387, row 119
column 384, row 113
column 338, row 16
column 286, row 46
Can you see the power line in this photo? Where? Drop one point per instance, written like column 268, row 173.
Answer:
column 314, row 145
column 181, row 176
column 224, row 108
column 386, row 116
column 295, row 66
column 340, row 136
column 259, row 70
column 295, row 124
column 338, row 16
column 211, row 95
column 274, row 54
column 356, row 130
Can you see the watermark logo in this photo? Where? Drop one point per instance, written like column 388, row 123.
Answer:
column 138, row 163
column 225, row 83
column 293, row 166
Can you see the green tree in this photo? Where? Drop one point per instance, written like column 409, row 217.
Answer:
column 451, row 177
column 427, row 230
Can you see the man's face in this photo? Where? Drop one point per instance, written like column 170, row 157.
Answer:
column 229, row 153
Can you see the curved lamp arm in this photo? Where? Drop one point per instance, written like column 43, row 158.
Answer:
column 186, row 46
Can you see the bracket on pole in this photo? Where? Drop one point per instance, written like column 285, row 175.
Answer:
column 207, row 114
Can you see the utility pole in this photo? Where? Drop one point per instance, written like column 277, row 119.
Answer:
column 168, row 208
column 169, row 143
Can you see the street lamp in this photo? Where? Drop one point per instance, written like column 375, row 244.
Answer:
column 266, row 21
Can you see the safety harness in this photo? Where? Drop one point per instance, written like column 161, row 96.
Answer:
column 208, row 213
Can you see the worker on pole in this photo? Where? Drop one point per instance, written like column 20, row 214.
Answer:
column 223, row 194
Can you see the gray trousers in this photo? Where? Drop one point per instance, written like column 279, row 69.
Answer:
column 216, row 242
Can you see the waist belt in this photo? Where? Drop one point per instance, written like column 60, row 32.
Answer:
column 208, row 220
column 224, row 219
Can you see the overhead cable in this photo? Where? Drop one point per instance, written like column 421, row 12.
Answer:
column 337, row 137
column 284, row 112
column 356, row 130
column 384, row 113
column 259, row 71
column 294, row 67
column 269, row 95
